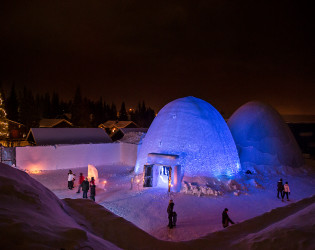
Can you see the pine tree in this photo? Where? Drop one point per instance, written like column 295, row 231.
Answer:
column 77, row 107
column 29, row 112
column 143, row 116
column 123, row 116
column 55, row 105
column 3, row 120
column 80, row 115
column 46, row 106
column 13, row 105
column 113, row 112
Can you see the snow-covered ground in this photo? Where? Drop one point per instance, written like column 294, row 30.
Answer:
column 32, row 217
column 197, row 216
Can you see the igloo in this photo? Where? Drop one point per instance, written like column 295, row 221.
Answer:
column 188, row 137
column 262, row 137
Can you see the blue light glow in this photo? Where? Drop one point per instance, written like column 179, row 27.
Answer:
column 195, row 131
column 263, row 138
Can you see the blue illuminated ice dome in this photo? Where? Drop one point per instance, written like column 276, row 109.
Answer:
column 193, row 130
column 262, row 137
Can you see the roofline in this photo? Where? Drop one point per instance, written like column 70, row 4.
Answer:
column 54, row 124
column 28, row 134
column 15, row 122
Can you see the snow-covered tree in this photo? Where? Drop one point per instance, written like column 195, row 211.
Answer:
column 3, row 119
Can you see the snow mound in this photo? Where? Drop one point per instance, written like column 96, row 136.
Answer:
column 32, row 217
column 195, row 131
column 262, row 137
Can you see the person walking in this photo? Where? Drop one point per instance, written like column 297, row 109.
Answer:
column 81, row 179
column 280, row 188
column 286, row 191
column 225, row 218
column 85, row 187
column 170, row 213
column 70, row 179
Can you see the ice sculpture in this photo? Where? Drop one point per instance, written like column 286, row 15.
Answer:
column 262, row 137
column 92, row 172
column 193, row 133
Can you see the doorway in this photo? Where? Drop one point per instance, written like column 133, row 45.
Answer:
column 164, row 175
column 148, row 176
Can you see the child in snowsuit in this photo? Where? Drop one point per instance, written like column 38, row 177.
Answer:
column 92, row 189
column 279, row 188
column 286, row 191
column 81, row 179
column 174, row 219
column 225, row 218
column 170, row 213
column 85, row 187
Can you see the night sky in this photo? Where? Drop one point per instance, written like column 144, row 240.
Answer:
column 224, row 52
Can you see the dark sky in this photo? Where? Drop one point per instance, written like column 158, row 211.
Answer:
column 225, row 52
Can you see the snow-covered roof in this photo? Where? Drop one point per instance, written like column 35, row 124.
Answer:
column 14, row 122
column 53, row 136
column 130, row 130
column 50, row 123
column 117, row 124
column 129, row 135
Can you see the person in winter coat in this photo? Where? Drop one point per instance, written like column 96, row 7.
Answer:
column 92, row 182
column 279, row 188
column 70, row 180
column 92, row 191
column 81, row 179
column 85, row 187
column 170, row 213
column 226, row 219
column 286, row 191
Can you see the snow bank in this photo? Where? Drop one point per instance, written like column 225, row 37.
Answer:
column 32, row 217
column 290, row 227
column 34, row 158
column 195, row 131
column 262, row 138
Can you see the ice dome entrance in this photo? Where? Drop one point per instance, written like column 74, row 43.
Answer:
column 162, row 170
column 190, row 133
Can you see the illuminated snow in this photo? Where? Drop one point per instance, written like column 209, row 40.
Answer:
column 195, row 131
column 92, row 172
column 262, row 137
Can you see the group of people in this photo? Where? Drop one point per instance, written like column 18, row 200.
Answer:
column 84, row 184
column 283, row 190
